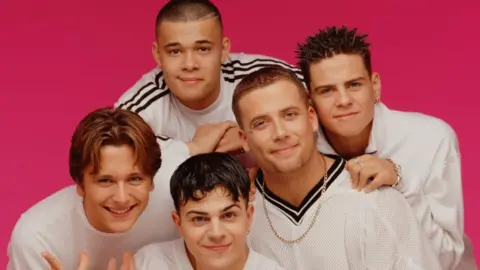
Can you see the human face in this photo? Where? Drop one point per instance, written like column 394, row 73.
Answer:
column 344, row 94
column 278, row 127
column 190, row 54
column 117, row 195
column 215, row 229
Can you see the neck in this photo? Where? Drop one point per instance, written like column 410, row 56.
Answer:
column 238, row 264
column 203, row 103
column 350, row 147
column 294, row 186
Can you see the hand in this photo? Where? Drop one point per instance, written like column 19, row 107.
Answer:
column 207, row 137
column 127, row 264
column 371, row 172
column 230, row 141
column 252, row 174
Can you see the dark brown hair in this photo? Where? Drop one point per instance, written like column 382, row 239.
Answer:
column 187, row 10
column 264, row 77
column 109, row 126
column 329, row 42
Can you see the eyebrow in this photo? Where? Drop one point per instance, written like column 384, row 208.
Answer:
column 360, row 78
column 134, row 174
column 198, row 42
column 258, row 117
column 201, row 213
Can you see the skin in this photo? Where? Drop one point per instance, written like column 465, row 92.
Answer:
column 190, row 53
column 118, row 193
column 215, row 230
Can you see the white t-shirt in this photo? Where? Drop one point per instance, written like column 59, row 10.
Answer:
column 427, row 150
column 172, row 255
column 353, row 230
column 58, row 225
column 171, row 120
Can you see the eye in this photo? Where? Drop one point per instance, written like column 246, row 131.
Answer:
column 290, row 115
column 104, row 181
column 135, row 179
column 199, row 220
column 325, row 90
column 175, row 51
column 230, row 215
column 204, row 49
column 258, row 124
column 355, row 85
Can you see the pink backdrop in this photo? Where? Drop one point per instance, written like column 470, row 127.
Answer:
column 61, row 59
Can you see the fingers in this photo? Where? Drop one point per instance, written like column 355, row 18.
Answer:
column 373, row 185
column 53, row 262
column 128, row 262
column 354, row 170
column 112, row 264
column 361, row 171
column 252, row 173
column 83, row 265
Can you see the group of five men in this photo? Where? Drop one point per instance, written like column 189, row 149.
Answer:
column 336, row 180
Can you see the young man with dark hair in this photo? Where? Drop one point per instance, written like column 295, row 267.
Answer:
column 114, row 159
column 186, row 99
column 307, row 215
column 213, row 214
column 357, row 126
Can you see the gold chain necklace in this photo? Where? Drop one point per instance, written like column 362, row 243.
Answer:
column 312, row 223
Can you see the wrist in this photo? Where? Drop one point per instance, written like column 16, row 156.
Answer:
column 398, row 172
column 193, row 149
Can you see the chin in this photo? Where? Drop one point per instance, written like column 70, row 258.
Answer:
column 121, row 228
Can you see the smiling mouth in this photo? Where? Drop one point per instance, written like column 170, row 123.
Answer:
column 218, row 248
column 283, row 150
column 120, row 212
column 346, row 115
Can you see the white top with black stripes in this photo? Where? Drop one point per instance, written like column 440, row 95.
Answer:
column 174, row 122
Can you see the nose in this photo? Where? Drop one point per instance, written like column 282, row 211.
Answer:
column 190, row 62
column 280, row 131
column 216, row 231
column 343, row 98
column 121, row 194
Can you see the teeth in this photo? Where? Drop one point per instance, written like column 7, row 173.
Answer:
column 119, row 211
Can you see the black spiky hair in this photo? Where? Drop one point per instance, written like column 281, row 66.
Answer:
column 331, row 41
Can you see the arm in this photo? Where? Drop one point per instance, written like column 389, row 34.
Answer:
column 389, row 234
column 443, row 192
column 25, row 249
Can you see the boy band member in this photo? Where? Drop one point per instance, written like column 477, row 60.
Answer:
column 186, row 99
column 345, row 92
column 210, row 193
column 307, row 214
column 114, row 159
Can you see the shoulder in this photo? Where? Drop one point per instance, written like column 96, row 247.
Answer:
column 420, row 123
column 148, row 89
column 47, row 212
column 156, row 255
column 239, row 64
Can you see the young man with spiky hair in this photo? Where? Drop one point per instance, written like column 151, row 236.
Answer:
column 186, row 99
column 307, row 215
column 213, row 214
column 114, row 160
column 355, row 125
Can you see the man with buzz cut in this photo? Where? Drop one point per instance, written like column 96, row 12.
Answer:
column 345, row 91
column 186, row 98
column 307, row 216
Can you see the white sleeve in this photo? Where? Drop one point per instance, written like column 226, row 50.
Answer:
column 388, row 235
column 443, row 192
column 144, row 98
column 25, row 249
